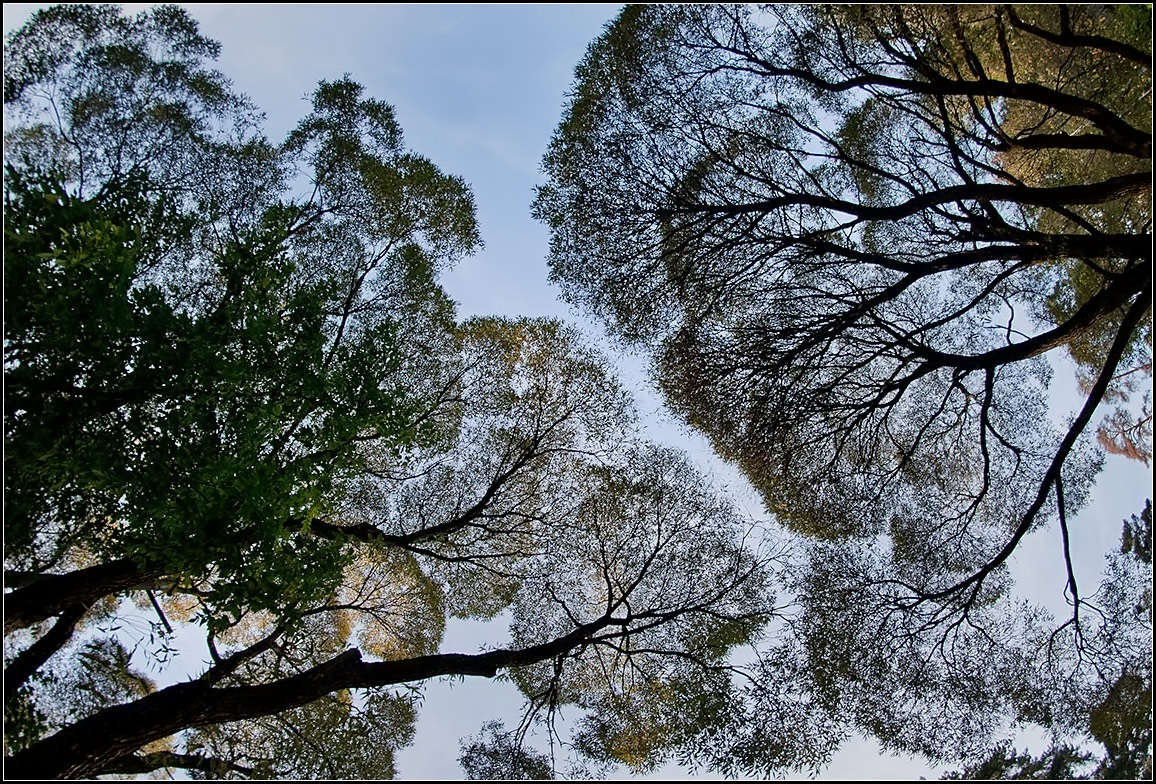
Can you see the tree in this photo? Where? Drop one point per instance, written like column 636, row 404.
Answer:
column 255, row 412
column 1121, row 720
column 851, row 239
column 1005, row 763
column 496, row 754
column 1119, row 714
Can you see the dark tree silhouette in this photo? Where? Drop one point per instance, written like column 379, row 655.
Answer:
column 852, row 237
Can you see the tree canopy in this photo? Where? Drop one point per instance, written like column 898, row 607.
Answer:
column 237, row 396
column 856, row 243
column 240, row 405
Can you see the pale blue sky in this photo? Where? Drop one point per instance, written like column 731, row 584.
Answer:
column 478, row 89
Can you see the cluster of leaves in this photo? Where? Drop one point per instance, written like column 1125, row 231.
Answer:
column 495, row 754
column 168, row 436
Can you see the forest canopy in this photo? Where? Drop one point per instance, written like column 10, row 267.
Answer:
column 242, row 406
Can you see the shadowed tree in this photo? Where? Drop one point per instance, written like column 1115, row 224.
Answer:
column 827, row 226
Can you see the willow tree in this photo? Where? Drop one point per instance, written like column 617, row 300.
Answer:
column 253, row 411
column 852, row 240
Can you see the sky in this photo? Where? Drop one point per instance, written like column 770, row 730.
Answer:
column 478, row 89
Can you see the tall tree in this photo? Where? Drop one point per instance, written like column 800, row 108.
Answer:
column 851, row 239
column 255, row 412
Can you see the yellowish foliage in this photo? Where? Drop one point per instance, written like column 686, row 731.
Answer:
column 396, row 611
column 249, row 629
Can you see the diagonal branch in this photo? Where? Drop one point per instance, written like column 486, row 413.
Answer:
column 1069, row 39
column 35, row 655
column 1119, row 346
column 87, row 747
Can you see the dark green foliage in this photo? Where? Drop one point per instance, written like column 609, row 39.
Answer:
column 1122, row 723
column 175, row 437
column 69, row 329
column 1006, row 763
column 24, row 723
column 178, row 391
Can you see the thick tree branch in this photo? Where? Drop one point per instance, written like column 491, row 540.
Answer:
column 1138, row 141
column 226, row 666
column 147, row 763
column 89, row 746
column 35, row 655
column 57, row 593
column 47, row 595
column 1058, row 196
column 1020, row 246
column 1131, row 282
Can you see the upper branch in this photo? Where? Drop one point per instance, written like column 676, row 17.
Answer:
column 1090, row 193
column 1070, row 39
column 1136, row 141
